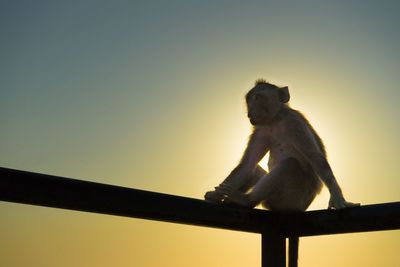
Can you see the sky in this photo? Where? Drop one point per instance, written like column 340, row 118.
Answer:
column 150, row 95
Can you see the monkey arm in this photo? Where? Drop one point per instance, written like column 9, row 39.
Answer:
column 322, row 168
column 256, row 149
column 247, row 173
column 304, row 143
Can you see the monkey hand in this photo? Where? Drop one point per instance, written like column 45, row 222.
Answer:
column 338, row 202
column 232, row 195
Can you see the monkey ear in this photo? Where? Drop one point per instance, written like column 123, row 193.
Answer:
column 284, row 94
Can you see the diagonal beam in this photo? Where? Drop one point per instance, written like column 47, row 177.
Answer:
column 58, row 192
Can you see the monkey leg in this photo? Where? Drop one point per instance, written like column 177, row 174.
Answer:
column 253, row 179
column 286, row 187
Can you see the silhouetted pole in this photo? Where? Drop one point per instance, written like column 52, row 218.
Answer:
column 293, row 250
column 58, row 192
column 273, row 249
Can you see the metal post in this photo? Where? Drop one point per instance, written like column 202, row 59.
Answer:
column 273, row 249
column 293, row 250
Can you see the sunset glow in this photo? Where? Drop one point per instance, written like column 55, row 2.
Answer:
column 150, row 95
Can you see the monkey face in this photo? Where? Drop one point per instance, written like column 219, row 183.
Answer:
column 264, row 102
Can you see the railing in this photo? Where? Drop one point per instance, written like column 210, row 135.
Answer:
column 58, row 192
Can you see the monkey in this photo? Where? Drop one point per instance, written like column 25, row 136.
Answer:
column 298, row 165
column 297, row 162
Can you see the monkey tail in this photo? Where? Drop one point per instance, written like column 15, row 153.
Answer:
column 293, row 250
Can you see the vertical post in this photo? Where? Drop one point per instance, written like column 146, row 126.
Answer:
column 273, row 249
column 293, row 250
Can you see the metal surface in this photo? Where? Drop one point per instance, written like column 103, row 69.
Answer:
column 58, row 192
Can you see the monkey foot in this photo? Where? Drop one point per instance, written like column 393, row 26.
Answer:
column 233, row 196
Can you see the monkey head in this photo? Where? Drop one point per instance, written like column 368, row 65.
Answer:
column 264, row 101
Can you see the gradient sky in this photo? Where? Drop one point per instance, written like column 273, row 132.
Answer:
column 149, row 95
